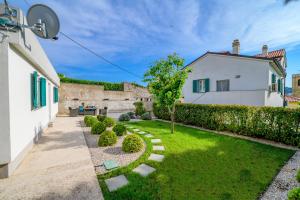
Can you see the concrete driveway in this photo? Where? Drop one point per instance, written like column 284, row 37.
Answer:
column 58, row 167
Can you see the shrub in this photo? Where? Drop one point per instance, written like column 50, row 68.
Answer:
column 131, row 115
column 90, row 121
column 272, row 123
column 98, row 128
column 132, row 143
column 298, row 176
column 124, row 117
column 109, row 122
column 107, row 138
column 139, row 108
column 120, row 129
column 294, row 194
column 101, row 118
column 146, row 116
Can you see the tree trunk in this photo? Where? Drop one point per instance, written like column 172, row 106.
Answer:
column 172, row 113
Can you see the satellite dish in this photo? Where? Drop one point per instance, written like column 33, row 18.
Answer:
column 43, row 21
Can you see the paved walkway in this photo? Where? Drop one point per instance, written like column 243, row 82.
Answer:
column 59, row 167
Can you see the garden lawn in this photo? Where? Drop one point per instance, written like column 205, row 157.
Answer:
column 201, row 165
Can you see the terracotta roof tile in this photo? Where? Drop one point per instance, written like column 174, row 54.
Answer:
column 273, row 54
column 292, row 99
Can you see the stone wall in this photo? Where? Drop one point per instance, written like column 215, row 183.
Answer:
column 117, row 102
column 295, row 85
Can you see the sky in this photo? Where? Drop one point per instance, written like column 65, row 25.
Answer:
column 134, row 34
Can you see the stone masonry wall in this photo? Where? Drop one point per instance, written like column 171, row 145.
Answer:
column 73, row 95
column 295, row 86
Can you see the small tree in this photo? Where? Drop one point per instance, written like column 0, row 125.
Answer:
column 165, row 81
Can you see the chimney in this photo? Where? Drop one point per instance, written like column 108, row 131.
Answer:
column 236, row 46
column 264, row 50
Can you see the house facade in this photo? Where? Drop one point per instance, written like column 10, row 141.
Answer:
column 231, row 78
column 29, row 94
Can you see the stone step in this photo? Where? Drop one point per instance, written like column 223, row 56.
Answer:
column 149, row 136
column 141, row 132
column 115, row 183
column 156, row 141
column 156, row 157
column 136, row 130
column 158, row 148
column 144, row 170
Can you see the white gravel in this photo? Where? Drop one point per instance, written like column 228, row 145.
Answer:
column 284, row 181
column 101, row 154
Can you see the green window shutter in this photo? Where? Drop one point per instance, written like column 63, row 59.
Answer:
column 55, row 94
column 279, row 86
column 34, row 96
column 43, row 92
column 206, row 85
column 195, row 86
column 273, row 78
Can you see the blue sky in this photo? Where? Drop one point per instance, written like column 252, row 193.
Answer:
column 135, row 33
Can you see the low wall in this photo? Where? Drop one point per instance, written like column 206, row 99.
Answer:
column 117, row 102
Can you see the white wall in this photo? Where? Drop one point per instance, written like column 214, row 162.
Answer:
column 25, row 123
column 249, row 89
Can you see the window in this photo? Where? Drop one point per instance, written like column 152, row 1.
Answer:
column 55, row 94
column 274, row 84
column 201, row 85
column 299, row 82
column 42, row 92
column 222, row 85
column 34, row 90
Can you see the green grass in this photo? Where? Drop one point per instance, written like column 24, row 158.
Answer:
column 200, row 165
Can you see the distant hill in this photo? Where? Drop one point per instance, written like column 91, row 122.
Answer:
column 288, row 91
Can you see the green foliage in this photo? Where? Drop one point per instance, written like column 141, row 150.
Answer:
column 109, row 122
column 90, row 121
column 120, row 129
column 272, row 123
column 298, row 176
column 107, row 138
column 146, row 116
column 132, row 143
column 98, row 128
column 124, row 117
column 165, row 81
column 139, row 108
column 294, row 194
column 101, row 118
column 131, row 115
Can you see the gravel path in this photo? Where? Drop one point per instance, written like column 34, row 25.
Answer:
column 101, row 154
column 284, row 181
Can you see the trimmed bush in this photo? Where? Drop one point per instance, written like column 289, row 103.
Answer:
column 109, row 122
column 90, row 121
column 98, row 128
column 146, row 116
column 294, row 194
column 298, row 176
column 124, row 117
column 131, row 115
column 132, row 143
column 272, row 123
column 120, row 129
column 107, row 138
column 101, row 118
column 139, row 108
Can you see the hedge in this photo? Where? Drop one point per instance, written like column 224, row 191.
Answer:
column 272, row 123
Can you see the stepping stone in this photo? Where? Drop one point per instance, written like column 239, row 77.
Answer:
column 116, row 182
column 136, row 130
column 129, row 133
column 141, row 132
column 156, row 157
column 144, row 170
column 155, row 141
column 110, row 164
column 158, row 148
column 149, row 136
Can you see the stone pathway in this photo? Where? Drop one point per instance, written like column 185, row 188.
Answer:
column 144, row 170
column 116, row 182
column 284, row 181
column 59, row 167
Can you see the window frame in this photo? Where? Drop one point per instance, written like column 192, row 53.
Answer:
column 218, row 81
column 202, row 88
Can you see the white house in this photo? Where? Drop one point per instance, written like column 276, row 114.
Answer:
column 232, row 78
column 29, row 94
